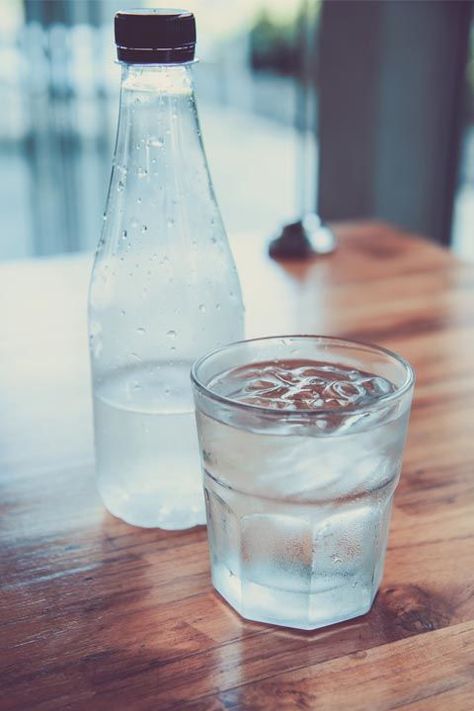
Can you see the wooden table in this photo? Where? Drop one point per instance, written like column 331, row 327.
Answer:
column 96, row 615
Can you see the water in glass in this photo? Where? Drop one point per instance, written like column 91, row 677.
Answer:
column 298, row 516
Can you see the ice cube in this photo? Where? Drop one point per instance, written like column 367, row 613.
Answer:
column 295, row 385
column 223, row 530
column 346, row 543
column 277, row 552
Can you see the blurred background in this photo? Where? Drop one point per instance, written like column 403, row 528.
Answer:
column 357, row 109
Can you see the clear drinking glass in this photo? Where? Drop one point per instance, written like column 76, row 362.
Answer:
column 299, row 500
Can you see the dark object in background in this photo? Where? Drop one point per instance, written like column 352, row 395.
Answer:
column 306, row 238
column 273, row 47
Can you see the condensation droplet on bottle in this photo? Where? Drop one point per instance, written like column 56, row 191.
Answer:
column 173, row 348
column 218, row 307
column 214, row 240
column 202, row 308
column 120, row 186
column 141, row 331
column 139, row 200
column 123, row 312
column 144, row 229
column 155, row 142
column 142, row 172
column 124, row 234
column 171, row 334
column 167, row 391
column 170, row 222
column 135, row 356
column 137, row 386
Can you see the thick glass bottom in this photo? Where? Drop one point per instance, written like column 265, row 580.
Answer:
column 333, row 599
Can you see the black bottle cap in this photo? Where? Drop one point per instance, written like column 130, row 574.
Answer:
column 155, row 36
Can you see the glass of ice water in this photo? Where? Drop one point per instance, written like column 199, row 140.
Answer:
column 301, row 441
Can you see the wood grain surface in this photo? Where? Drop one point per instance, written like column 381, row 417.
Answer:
column 97, row 615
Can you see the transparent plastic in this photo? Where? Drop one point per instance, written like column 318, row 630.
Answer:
column 164, row 289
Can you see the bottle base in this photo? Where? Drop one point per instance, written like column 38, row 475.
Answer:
column 147, row 510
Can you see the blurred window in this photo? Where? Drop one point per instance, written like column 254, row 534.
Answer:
column 59, row 89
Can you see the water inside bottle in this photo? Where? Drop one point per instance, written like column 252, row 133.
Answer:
column 147, row 448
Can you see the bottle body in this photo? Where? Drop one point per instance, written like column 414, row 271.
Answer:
column 164, row 290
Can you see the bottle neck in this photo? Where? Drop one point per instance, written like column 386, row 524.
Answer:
column 163, row 79
column 157, row 118
column 160, row 167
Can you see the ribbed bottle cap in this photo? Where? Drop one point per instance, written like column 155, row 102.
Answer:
column 155, row 36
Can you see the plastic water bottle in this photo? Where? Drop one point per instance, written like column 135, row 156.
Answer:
column 164, row 287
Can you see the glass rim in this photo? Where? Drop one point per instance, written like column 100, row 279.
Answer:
column 316, row 412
